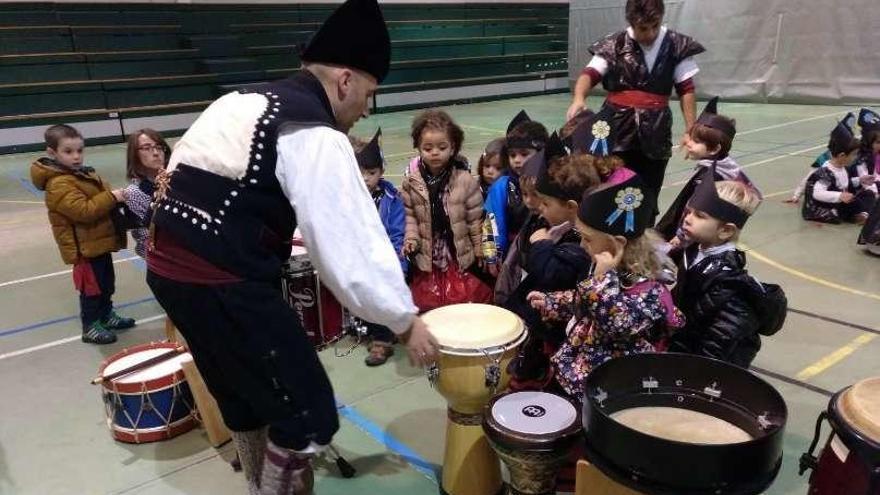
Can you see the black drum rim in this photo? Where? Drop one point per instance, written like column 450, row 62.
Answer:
column 645, row 469
column 867, row 448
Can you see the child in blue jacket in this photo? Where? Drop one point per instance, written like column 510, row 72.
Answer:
column 391, row 211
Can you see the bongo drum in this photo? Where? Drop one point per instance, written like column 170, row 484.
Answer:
column 533, row 433
column 151, row 404
column 850, row 462
column 477, row 342
column 319, row 312
column 683, row 424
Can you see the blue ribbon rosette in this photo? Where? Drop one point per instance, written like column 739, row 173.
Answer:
column 627, row 200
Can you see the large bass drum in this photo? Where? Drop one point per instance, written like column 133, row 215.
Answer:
column 684, row 425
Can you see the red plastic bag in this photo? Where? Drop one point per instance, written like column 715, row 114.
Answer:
column 438, row 288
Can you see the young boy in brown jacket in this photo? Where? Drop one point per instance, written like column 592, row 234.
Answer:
column 80, row 204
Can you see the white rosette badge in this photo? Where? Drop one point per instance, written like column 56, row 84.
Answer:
column 627, row 200
column 601, row 130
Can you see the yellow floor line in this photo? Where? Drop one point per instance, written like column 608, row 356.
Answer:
column 778, row 193
column 15, row 202
column 835, row 357
column 806, row 276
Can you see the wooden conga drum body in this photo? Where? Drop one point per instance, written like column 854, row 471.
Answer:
column 850, row 461
column 477, row 342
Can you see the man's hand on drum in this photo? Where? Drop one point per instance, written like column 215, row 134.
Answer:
column 420, row 343
column 537, row 300
column 410, row 246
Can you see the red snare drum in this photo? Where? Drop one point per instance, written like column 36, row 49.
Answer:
column 319, row 312
column 850, row 462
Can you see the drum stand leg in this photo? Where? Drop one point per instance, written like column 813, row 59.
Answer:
column 591, row 481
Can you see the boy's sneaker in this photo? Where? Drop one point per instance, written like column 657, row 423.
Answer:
column 98, row 334
column 115, row 322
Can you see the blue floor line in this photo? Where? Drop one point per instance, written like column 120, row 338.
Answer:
column 43, row 324
column 25, row 182
column 390, row 442
column 138, row 262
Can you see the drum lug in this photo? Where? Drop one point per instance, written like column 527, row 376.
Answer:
column 600, row 396
column 493, row 376
column 764, row 421
column 807, row 461
column 713, row 391
column 650, row 383
column 433, row 373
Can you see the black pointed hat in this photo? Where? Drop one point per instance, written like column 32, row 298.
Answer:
column 536, row 165
column 623, row 209
column 868, row 120
column 371, row 154
column 595, row 135
column 842, row 134
column 355, row 35
column 521, row 117
column 706, row 199
column 546, row 185
column 710, row 118
column 573, row 126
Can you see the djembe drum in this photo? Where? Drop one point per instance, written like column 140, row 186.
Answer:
column 533, row 433
column 477, row 342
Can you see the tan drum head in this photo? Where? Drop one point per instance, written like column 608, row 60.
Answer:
column 461, row 328
column 860, row 407
column 681, row 425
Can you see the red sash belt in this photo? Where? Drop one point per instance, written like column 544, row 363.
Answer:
column 638, row 99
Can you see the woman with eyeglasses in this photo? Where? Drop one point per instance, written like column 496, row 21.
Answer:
column 147, row 156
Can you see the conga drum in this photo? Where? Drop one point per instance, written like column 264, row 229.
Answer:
column 850, row 462
column 664, row 424
column 533, row 433
column 477, row 342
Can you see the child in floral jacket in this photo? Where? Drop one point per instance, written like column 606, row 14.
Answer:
column 621, row 309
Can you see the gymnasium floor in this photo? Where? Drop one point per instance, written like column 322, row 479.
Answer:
column 53, row 437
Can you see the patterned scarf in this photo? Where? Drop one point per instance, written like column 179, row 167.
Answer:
column 436, row 184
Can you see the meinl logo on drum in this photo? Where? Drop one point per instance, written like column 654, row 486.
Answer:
column 534, row 411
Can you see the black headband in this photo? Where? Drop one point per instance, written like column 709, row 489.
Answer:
column 706, row 199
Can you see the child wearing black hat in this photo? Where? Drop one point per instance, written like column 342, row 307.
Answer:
column 505, row 211
column 393, row 215
column 868, row 169
column 709, row 142
column 833, row 192
column 726, row 309
column 553, row 259
column 621, row 309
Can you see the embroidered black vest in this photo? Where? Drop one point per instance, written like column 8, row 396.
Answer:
column 232, row 214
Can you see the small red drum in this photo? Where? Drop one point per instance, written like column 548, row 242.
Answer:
column 320, row 313
column 850, row 462
column 151, row 404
